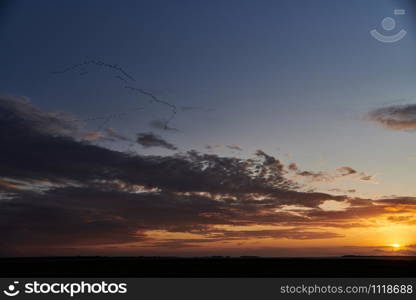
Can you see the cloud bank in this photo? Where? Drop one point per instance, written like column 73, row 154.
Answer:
column 59, row 191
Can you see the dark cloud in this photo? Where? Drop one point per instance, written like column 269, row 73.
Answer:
column 346, row 171
column 88, row 216
column 399, row 200
column 31, row 152
column 60, row 191
column 269, row 160
column 20, row 112
column 395, row 117
column 149, row 140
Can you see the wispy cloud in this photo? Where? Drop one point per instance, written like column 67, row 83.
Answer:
column 395, row 117
column 217, row 146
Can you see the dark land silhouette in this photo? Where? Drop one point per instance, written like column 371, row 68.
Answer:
column 217, row 266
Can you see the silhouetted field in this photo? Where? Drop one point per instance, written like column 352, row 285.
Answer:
column 349, row 266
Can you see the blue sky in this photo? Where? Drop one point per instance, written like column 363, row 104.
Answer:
column 295, row 90
column 284, row 76
column 304, row 81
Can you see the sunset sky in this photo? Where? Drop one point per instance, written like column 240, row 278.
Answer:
column 271, row 128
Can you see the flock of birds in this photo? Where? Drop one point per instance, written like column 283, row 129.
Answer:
column 128, row 81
